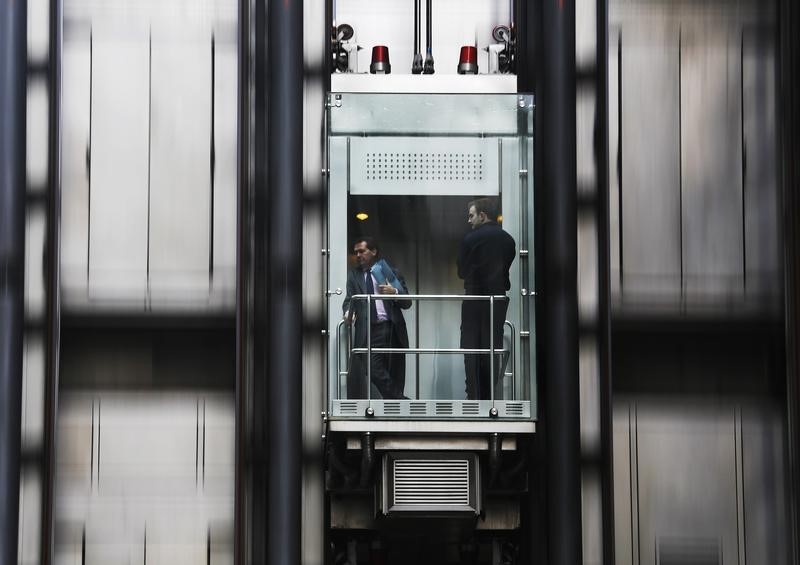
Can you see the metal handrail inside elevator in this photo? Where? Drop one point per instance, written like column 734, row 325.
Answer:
column 369, row 350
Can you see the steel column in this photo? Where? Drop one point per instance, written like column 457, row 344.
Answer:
column 789, row 120
column 13, row 80
column 285, row 242
column 604, row 283
column 52, row 274
column 555, row 109
column 256, row 220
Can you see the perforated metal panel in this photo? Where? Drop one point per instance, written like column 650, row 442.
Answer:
column 414, row 165
column 447, row 166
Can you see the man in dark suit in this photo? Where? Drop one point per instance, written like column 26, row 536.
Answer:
column 387, row 325
column 484, row 259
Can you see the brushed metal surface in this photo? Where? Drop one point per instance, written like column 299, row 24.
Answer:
column 180, row 183
column 119, row 165
column 686, row 475
column 762, row 221
column 711, row 150
column 650, row 214
column 75, row 111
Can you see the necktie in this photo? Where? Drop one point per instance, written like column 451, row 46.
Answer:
column 373, row 311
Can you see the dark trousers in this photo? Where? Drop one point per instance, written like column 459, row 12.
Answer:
column 387, row 370
column 475, row 334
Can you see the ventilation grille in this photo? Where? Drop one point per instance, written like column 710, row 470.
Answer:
column 391, row 408
column 348, row 408
column 444, row 408
column 470, row 409
column 452, row 166
column 426, row 483
column 440, row 409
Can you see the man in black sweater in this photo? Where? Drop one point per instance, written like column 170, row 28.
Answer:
column 484, row 259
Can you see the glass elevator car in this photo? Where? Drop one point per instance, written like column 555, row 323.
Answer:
column 403, row 169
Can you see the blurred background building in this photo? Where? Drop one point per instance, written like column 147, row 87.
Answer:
column 172, row 238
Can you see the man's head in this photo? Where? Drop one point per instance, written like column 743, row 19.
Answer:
column 366, row 252
column 481, row 211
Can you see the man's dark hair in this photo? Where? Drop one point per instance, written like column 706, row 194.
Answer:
column 372, row 245
column 486, row 205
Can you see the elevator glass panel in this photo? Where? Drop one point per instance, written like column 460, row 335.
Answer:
column 403, row 170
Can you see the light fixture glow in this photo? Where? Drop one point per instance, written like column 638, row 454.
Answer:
column 362, row 216
column 500, row 219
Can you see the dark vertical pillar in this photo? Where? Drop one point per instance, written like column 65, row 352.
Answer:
column 555, row 90
column 285, row 244
column 256, row 217
column 534, row 517
column 604, row 283
column 243, row 495
column 789, row 118
column 13, row 57
column 52, row 262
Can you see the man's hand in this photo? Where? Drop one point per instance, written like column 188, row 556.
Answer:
column 387, row 289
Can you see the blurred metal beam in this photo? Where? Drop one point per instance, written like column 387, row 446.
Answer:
column 789, row 117
column 555, row 109
column 243, row 482
column 284, row 262
column 52, row 281
column 604, row 283
column 13, row 82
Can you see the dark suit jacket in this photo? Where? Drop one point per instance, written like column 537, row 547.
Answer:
column 395, row 363
column 394, row 308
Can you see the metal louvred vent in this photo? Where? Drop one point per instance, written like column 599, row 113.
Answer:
column 444, row 409
column 391, row 408
column 431, row 483
column 349, row 408
column 514, row 409
column 470, row 409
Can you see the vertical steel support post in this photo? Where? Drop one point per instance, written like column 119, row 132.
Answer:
column 255, row 219
column 604, row 283
column 789, row 120
column 53, row 284
column 13, row 57
column 243, row 486
column 285, row 243
column 556, row 110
